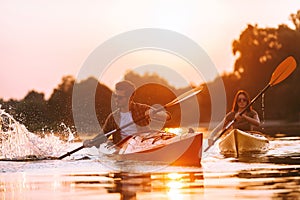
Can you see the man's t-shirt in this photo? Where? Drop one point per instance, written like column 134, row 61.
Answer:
column 125, row 119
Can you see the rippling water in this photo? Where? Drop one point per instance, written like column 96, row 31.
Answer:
column 274, row 175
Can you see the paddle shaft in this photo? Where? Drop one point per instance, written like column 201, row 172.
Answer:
column 232, row 121
column 71, row 152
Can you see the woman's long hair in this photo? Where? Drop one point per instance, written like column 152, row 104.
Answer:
column 235, row 106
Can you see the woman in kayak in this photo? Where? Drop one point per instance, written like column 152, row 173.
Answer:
column 245, row 121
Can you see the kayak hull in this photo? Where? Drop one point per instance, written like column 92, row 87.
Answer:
column 241, row 142
column 179, row 150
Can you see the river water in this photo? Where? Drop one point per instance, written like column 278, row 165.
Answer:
column 273, row 175
column 85, row 175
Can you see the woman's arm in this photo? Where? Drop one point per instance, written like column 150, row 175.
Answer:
column 252, row 120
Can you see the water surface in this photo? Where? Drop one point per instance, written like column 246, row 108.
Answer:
column 274, row 175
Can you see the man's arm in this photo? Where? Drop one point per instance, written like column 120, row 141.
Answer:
column 160, row 116
column 100, row 138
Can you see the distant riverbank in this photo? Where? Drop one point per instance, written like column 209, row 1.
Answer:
column 280, row 128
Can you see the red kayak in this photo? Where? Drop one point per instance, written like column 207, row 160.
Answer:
column 182, row 150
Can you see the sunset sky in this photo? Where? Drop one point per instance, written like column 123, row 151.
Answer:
column 42, row 41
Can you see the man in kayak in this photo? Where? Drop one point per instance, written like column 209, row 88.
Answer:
column 127, row 112
column 245, row 122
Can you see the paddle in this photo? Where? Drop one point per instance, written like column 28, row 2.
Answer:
column 283, row 70
column 103, row 137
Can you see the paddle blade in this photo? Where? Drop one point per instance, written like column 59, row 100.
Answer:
column 185, row 96
column 284, row 69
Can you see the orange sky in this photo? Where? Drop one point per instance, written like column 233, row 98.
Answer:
column 41, row 41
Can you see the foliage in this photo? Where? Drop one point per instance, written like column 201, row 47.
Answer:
column 60, row 103
column 259, row 51
column 33, row 110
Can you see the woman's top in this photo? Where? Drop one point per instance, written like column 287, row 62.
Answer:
column 241, row 124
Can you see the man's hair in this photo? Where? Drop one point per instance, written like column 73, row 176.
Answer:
column 126, row 86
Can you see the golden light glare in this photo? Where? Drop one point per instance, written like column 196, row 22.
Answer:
column 177, row 131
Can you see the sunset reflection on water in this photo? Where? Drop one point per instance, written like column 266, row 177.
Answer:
column 274, row 175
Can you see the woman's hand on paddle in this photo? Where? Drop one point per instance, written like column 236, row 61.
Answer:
column 238, row 116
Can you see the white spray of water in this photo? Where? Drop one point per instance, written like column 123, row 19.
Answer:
column 19, row 143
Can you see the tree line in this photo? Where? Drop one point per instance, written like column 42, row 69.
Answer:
column 258, row 51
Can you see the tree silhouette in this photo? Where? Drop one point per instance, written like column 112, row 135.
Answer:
column 32, row 111
column 60, row 103
column 259, row 52
column 295, row 18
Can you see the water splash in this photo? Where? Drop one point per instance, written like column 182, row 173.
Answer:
column 17, row 143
